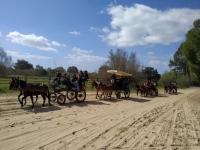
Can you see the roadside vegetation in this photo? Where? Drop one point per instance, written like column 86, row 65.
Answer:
column 185, row 67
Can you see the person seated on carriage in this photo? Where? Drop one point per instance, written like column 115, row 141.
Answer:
column 58, row 77
column 148, row 83
column 113, row 78
column 121, row 82
column 126, row 82
column 64, row 77
column 75, row 81
column 86, row 76
column 173, row 84
column 80, row 80
column 169, row 84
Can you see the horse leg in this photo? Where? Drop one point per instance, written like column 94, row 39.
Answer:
column 24, row 98
column 36, row 98
column 49, row 99
column 44, row 98
column 32, row 100
column 19, row 96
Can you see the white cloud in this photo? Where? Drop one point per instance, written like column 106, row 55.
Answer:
column 154, row 62
column 105, row 30
column 142, row 25
column 31, row 40
column 150, row 53
column 95, row 29
column 80, row 55
column 57, row 44
column 0, row 33
column 26, row 55
column 75, row 33
column 101, row 12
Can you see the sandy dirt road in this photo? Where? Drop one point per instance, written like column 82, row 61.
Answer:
column 168, row 121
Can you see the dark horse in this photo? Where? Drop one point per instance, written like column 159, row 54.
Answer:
column 30, row 89
column 14, row 86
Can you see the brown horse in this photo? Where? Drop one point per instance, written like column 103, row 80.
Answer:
column 95, row 85
column 14, row 86
column 138, row 89
column 106, row 89
column 31, row 89
column 145, row 90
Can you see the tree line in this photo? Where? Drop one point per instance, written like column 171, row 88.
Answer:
column 185, row 66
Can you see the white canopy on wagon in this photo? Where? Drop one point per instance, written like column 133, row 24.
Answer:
column 119, row 73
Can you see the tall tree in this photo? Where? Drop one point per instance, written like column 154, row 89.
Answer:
column 121, row 60
column 191, row 49
column 72, row 70
column 40, row 71
column 179, row 63
column 23, row 64
column 151, row 73
column 61, row 69
column 5, row 61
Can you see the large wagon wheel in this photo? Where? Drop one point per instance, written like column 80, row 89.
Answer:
column 80, row 96
column 53, row 96
column 127, row 93
column 61, row 99
column 70, row 95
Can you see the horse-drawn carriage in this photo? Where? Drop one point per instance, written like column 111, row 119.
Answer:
column 121, row 83
column 71, row 92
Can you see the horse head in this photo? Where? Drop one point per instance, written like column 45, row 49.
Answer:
column 12, row 84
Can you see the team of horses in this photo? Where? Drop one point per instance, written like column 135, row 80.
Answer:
column 102, row 90
column 105, row 89
column 30, row 89
column 146, row 90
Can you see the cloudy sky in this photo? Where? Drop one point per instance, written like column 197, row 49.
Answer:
column 81, row 33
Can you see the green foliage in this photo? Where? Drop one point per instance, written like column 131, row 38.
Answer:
column 166, row 77
column 179, row 63
column 121, row 60
column 40, row 71
column 22, row 65
column 183, row 81
column 61, row 69
column 5, row 61
column 72, row 70
column 191, row 49
column 151, row 73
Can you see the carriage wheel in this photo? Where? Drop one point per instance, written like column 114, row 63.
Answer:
column 61, row 99
column 80, row 96
column 53, row 96
column 118, row 94
column 70, row 95
column 127, row 93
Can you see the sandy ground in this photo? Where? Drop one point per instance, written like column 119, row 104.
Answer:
column 169, row 121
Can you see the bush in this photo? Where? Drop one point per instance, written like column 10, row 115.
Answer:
column 166, row 77
column 183, row 81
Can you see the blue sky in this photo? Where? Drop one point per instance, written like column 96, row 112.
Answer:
column 81, row 33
